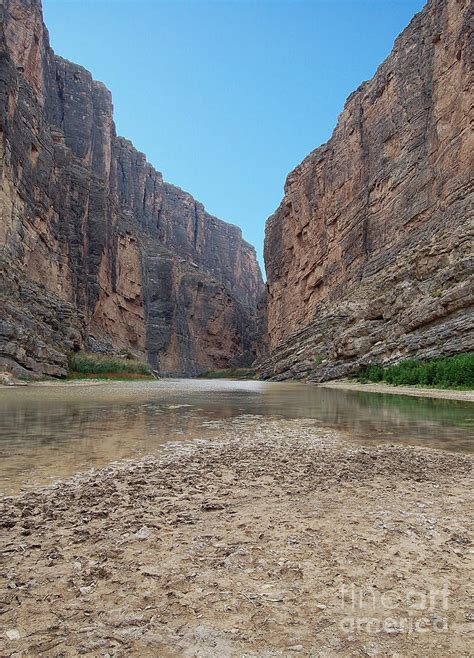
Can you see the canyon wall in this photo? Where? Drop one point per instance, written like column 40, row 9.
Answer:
column 97, row 251
column 369, row 256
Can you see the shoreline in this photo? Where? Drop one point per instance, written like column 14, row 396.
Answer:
column 241, row 544
column 373, row 387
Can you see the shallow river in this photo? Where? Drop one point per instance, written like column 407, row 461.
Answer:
column 48, row 433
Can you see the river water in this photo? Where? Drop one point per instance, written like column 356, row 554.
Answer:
column 51, row 432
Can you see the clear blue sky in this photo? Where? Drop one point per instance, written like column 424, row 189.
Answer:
column 226, row 97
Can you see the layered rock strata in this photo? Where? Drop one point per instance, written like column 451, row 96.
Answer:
column 97, row 251
column 369, row 256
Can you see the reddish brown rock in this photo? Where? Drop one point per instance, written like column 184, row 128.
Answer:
column 97, row 250
column 369, row 256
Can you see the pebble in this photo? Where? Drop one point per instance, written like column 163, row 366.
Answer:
column 143, row 533
column 13, row 634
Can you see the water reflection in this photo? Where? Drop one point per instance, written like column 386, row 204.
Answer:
column 46, row 433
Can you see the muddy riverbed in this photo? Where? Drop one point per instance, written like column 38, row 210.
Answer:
column 276, row 537
column 219, row 519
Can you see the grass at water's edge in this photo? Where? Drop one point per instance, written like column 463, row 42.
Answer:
column 84, row 365
column 451, row 372
column 107, row 376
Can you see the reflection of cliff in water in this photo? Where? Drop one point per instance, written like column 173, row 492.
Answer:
column 423, row 421
column 60, row 442
column 47, row 433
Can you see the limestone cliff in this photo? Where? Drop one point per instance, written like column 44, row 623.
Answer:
column 97, row 250
column 369, row 256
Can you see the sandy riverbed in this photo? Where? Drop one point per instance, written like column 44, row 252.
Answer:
column 351, row 385
column 259, row 543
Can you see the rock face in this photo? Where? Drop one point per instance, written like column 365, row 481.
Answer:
column 369, row 256
column 97, row 250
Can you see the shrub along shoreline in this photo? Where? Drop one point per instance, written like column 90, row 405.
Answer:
column 444, row 372
column 86, row 365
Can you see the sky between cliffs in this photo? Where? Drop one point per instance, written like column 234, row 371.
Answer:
column 226, row 97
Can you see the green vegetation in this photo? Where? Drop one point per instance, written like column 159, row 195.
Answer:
column 108, row 376
column 230, row 373
column 86, row 365
column 446, row 372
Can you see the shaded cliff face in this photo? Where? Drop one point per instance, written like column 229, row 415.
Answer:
column 369, row 256
column 97, row 250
